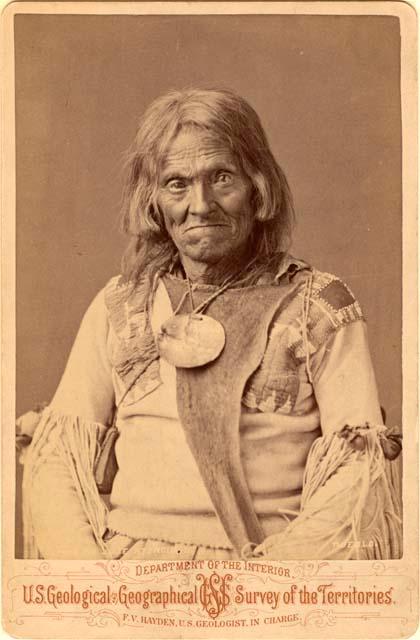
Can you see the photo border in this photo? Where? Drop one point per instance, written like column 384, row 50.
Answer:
column 329, row 623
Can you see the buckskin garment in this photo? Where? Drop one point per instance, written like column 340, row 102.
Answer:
column 292, row 481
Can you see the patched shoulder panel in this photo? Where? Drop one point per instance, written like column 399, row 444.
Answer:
column 337, row 295
column 332, row 305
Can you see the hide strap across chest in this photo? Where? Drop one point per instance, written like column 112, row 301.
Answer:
column 209, row 397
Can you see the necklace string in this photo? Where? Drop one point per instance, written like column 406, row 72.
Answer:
column 181, row 302
column 228, row 282
column 190, row 294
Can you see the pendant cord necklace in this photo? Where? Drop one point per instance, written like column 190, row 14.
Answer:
column 194, row 339
column 228, row 282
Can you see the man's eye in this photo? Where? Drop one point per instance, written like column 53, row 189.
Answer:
column 223, row 177
column 176, row 185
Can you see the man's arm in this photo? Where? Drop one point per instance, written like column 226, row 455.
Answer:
column 61, row 501
column 344, row 381
column 349, row 502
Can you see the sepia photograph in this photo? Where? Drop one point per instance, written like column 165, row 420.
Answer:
column 220, row 398
column 209, row 215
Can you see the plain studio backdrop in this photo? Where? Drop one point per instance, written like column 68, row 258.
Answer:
column 327, row 91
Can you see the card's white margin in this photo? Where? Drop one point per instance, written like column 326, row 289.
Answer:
column 406, row 12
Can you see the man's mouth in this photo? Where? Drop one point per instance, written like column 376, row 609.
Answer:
column 205, row 226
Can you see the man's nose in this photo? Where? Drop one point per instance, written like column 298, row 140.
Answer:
column 201, row 198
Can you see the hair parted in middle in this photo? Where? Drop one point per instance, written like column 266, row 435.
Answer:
column 228, row 117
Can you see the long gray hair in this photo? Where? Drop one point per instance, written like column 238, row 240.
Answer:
column 230, row 118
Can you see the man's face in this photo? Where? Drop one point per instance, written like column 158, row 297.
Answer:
column 205, row 197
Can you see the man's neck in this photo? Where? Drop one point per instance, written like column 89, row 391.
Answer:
column 217, row 273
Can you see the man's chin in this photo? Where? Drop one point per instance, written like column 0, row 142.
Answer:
column 206, row 251
column 209, row 251
column 207, row 256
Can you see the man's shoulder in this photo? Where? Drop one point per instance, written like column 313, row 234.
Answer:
column 333, row 293
column 125, row 301
column 332, row 305
column 324, row 289
column 322, row 302
column 118, row 289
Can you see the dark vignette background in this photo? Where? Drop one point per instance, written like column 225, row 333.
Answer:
column 327, row 90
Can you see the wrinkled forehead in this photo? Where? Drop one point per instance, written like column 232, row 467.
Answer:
column 193, row 148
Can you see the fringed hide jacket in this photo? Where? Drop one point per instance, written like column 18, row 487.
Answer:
column 276, row 451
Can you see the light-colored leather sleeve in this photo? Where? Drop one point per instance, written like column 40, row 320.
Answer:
column 344, row 380
column 86, row 388
column 84, row 396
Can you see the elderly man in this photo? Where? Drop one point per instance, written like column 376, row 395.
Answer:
column 220, row 390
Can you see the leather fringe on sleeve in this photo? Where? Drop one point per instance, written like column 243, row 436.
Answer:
column 351, row 503
column 77, row 442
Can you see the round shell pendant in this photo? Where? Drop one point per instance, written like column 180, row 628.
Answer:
column 190, row 340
